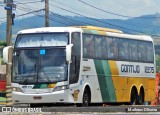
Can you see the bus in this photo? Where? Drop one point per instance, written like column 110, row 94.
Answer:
column 82, row 65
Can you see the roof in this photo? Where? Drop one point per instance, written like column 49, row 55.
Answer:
column 49, row 29
column 130, row 36
column 87, row 29
column 69, row 29
column 99, row 29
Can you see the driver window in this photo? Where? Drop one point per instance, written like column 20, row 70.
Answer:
column 75, row 64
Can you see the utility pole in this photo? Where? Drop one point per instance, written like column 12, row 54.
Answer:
column 9, row 6
column 9, row 23
column 46, row 13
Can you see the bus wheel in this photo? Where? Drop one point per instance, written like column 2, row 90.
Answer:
column 141, row 97
column 134, row 97
column 86, row 98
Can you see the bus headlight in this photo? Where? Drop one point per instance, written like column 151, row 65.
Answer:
column 58, row 88
column 16, row 89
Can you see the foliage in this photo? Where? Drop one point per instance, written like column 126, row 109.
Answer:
column 2, row 43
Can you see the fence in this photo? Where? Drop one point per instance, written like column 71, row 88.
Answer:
column 2, row 84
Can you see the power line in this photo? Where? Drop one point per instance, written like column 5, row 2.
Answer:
column 64, row 17
column 27, row 2
column 24, row 9
column 105, row 10
column 125, row 16
column 60, row 17
column 26, row 6
column 71, row 20
column 93, row 14
column 76, row 9
column 36, row 11
column 32, row 12
column 101, row 21
column 64, row 22
column 53, row 20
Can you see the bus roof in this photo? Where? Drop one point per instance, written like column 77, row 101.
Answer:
column 99, row 29
column 130, row 36
column 49, row 29
column 68, row 29
column 87, row 29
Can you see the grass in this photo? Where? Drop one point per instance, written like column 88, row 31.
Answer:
column 2, row 99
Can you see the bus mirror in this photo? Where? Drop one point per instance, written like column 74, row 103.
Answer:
column 68, row 53
column 6, row 51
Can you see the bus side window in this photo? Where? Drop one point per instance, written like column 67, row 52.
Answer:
column 89, row 46
column 76, row 53
column 141, row 51
column 150, row 55
column 112, row 46
column 98, row 52
column 133, row 50
column 104, row 48
column 84, row 46
column 123, row 49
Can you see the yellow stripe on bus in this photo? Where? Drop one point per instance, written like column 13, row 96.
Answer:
column 115, row 77
column 113, row 68
column 51, row 85
column 102, row 33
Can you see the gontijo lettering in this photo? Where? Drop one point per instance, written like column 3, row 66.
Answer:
column 130, row 68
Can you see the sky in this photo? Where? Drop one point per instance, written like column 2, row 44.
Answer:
column 107, row 9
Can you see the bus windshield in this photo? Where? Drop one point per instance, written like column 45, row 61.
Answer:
column 39, row 65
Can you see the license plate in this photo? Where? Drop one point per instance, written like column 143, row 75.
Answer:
column 37, row 98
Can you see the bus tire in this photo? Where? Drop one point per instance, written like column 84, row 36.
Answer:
column 86, row 98
column 134, row 97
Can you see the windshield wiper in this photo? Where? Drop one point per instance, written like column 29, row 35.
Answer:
column 28, row 78
column 28, row 75
column 46, row 76
column 25, row 82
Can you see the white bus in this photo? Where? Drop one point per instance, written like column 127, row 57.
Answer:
column 82, row 65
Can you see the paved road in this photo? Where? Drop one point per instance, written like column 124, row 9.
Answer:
column 128, row 110
column 105, row 109
column 53, row 113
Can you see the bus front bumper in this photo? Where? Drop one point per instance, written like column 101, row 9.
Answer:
column 54, row 97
